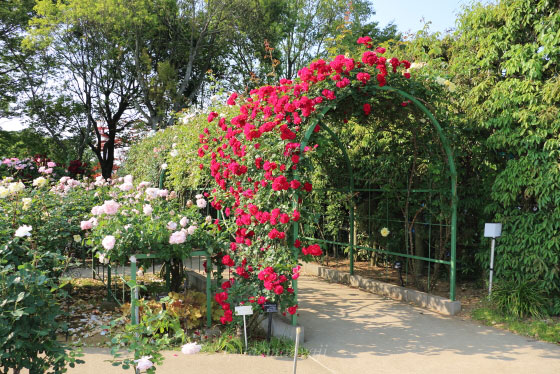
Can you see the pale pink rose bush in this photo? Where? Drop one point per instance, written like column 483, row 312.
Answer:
column 143, row 219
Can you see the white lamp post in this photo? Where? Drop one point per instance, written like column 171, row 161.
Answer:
column 492, row 230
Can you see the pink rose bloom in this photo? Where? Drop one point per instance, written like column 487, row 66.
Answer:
column 191, row 230
column 103, row 259
column 108, row 242
column 296, row 271
column 178, row 237
column 151, row 193
column 64, row 179
column 143, row 184
column 93, row 221
column 184, row 221
column 86, row 225
column 126, row 186
column 110, row 207
column 201, row 203
column 97, row 210
column 51, row 164
column 128, row 179
column 148, row 209
column 163, row 193
column 48, row 171
column 171, row 225
column 144, row 363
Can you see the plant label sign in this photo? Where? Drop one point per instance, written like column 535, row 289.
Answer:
column 244, row 310
column 270, row 308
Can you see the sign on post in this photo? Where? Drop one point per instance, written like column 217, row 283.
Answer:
column 244, row 310
column 269, row 308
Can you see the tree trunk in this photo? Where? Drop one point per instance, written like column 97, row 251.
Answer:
column 177, row 274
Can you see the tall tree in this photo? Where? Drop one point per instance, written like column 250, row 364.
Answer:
column 312, row 23
column 95, row 68
column 506, row 60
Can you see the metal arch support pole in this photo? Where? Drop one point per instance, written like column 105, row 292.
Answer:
column 161, row 178
column 134, row 294
column 208, row 291
column 109, row 292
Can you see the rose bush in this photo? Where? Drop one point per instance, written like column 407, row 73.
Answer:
column 259, row 167
column 143, row 219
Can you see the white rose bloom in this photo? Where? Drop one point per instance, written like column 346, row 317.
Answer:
column 39, row 182
column 16, row 187
column 26, row 203
column 23, row 231
column 4, row 192
column 191, row 348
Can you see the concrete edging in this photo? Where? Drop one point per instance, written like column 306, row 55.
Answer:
column 422, row 299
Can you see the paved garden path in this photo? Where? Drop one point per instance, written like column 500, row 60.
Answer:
column 351, row 331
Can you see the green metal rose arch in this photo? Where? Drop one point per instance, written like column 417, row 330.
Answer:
column 253, row 161
column 317, row 118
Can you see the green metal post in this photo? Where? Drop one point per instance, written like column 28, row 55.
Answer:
column 296, row 252
column 352, row 237
column 453, row 237
column 109, row 293
column 208, row 292
column 133, row 293
column 161, row 178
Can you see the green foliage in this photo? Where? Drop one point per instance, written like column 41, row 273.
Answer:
column 29, row 322
column 505, row 61
column 226, row 342
column 547, row 330
column 27, row 143
column 519, row 299
column 276, row 347
column 230, row 343
column 177, row 147
column 154, row 332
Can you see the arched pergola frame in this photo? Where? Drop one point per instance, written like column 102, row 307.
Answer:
column 318, row 116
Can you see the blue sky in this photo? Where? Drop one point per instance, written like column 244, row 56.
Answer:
column 407, row 14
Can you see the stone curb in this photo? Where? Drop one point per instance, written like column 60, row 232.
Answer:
column 422, row 299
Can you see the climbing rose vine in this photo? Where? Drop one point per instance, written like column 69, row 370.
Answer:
column 256, row 160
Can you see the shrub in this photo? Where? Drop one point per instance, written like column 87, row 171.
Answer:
column 29, row 324
column 519, row 299
column 176, row 146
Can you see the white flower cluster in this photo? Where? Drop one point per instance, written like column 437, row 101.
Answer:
column 8, row 188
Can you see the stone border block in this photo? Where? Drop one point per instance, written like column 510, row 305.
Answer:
column 281, row 328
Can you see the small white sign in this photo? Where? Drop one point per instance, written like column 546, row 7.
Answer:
column 244, row 310
column 492, row 230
